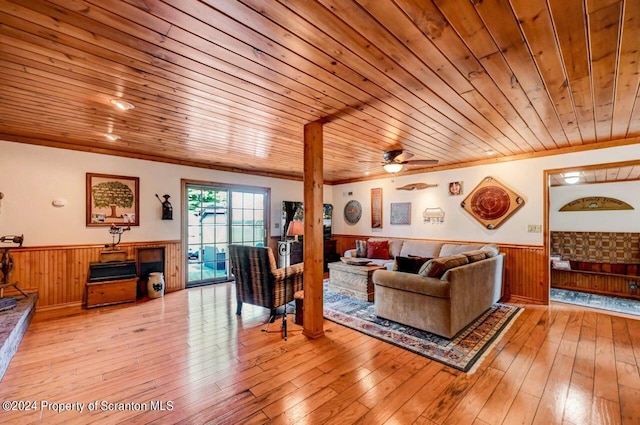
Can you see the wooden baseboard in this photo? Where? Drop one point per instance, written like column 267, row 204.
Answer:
column 517, row 299
column 76, row 305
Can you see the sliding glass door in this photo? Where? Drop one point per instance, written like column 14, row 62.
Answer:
column 218, row 215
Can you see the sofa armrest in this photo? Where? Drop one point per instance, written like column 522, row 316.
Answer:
column 350, row 253
column 410, row 282
column 466, row 285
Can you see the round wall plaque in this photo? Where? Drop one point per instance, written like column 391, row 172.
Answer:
column 352, row 212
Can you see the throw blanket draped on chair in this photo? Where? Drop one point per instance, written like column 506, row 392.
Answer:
column 259, row 281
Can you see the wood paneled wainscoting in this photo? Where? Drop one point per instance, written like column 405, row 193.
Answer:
column 525, row 279
column 59, row 273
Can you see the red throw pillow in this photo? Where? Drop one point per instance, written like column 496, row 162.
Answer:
column 378, row 249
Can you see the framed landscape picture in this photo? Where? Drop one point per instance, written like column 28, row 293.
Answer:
column 112, row 200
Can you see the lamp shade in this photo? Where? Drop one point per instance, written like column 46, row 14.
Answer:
column 393, row 167
column 296, row 228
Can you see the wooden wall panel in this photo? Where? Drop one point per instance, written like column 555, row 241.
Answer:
column 524, row 278
column 59, row 273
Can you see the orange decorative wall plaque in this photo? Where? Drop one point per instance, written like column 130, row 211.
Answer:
column 491, row 203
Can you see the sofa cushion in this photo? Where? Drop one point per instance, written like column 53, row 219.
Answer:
column 395, row 245
column 491, row 249
column 427, row 249
column 411, row 264
column 438, row 266
column 361, row 249
column 378, row 249
column 475, row 255
column 457, row 248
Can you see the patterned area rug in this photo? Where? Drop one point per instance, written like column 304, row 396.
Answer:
column 462, row 352
column 620, row 305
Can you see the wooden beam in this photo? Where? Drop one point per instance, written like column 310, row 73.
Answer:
column 313, row 238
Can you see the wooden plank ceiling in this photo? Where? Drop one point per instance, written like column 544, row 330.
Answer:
column 591, row 175
column 230, row 84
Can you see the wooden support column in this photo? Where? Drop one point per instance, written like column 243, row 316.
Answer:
column 313, row 236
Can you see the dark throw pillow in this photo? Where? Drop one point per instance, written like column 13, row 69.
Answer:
column 410, row 264
column 361, row 249
column 378, row 250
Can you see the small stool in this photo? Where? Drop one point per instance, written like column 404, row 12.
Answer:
column 299, row 298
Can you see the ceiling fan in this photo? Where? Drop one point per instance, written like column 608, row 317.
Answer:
column 395, row 160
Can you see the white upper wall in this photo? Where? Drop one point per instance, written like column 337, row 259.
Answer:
column 525, row 177
column 31, row 177
column 595, row 221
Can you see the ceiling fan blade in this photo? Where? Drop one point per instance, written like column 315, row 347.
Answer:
column 419, row 162
column 403, row 157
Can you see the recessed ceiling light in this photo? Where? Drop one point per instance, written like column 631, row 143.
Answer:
column 572, row 177
column 122, row 104
column 112, row 137
column 490, row 152
column 366, row 173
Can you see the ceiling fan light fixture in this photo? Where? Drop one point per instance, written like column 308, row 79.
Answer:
column 123, row 105
column 393, row 167
column 572, row 177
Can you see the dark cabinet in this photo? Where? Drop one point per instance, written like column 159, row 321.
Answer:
column 289, row 253
column 330, row 254
column 292, row 252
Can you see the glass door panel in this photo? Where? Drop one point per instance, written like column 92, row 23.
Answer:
column 208, row 233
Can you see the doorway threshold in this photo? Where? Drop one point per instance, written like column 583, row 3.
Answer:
column 602, row 302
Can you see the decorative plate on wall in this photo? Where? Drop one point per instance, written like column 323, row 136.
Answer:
column 491, row 203
column 352, row 212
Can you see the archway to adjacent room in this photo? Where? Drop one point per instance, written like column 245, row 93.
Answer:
column 580, row 183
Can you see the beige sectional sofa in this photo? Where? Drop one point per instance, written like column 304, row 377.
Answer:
column 416, row 247
column 463, row 284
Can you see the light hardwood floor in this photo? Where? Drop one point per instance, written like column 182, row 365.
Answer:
column 555, row 365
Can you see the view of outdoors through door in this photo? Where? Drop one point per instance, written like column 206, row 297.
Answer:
column 216, row 217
